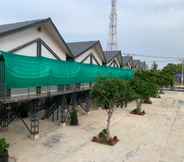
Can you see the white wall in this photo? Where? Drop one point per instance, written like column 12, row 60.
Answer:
column 116, row 60
column 14, row 40
column 47, row 53
column 87, row 53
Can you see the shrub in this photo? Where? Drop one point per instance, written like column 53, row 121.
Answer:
column 103, row 135
column 74, row 118
column 3, row 145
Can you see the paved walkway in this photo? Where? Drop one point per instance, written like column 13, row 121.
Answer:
column 156, row 137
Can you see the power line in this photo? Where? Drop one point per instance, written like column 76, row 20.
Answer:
column 161, row 60
column 151, row 56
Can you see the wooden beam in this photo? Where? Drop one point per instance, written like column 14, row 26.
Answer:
column 92, row 57
column 49, row 49
column 85, row 59
column 95, row 59
column 24, row 45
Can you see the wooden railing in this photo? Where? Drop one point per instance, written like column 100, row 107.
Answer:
column 32, row 96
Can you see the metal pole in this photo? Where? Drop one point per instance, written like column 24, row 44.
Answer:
column 182, row 73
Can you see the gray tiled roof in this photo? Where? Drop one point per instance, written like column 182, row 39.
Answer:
column 13, row 27
column 127, row 59
column 78, row 48
column 7, row 28
column 109, row 55
column 137, row 62
column 143, row 65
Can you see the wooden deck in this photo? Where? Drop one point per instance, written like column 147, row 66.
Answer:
column 10, row 100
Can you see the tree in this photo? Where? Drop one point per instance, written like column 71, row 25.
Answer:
column 144, row 88
column 165, row 79
column 109, row 94
column 154, row 66
column 161, row 78
column 171, row 70
column 125, row 94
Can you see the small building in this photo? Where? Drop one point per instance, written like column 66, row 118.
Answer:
column 113, row 58
column 139, row 65
column 128, row 62
column 88, row 52
column 136, row 64
column 143, row 65
column 34, row 38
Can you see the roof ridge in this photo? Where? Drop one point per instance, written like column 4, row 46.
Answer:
column 18, row 26
column 33, row 20
column 83, row 42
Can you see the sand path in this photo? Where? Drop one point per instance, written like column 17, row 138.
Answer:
column 156, row 137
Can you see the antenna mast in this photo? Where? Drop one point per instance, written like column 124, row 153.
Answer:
column 113, row 40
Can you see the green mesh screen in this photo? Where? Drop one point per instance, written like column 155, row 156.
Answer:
column 25, row 72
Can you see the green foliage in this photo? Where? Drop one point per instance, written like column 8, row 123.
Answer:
column 173, row 68
column 108, row 93
column 154, row 66
column 3, row 146
column 125, row 93
column 104, row 92
column 166, row 79
column 74, row 118
column 103, row 135
column 144, row 85
column 170, row 72
column 160, row 77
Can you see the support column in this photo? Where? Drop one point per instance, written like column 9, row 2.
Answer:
column 74, row 100
column 34, row 121
column 39, row 53
column 88, row 102
column 74, row 114
column 64, row 111
column 3, row 117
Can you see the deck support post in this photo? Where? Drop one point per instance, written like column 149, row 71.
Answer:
column 3, row 117
column 64, row 111
column 34, row 121
column 88, row 103
column 74, row 100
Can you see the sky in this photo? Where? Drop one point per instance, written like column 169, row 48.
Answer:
column 150, row 28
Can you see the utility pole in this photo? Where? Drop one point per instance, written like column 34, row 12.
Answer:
column 182, row 71
column 113, row 41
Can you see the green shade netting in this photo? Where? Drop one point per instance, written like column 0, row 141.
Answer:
column 25, row 72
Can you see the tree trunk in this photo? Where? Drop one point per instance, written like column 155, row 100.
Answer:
column 139, row 106
column 109, row 113
column 161, row 91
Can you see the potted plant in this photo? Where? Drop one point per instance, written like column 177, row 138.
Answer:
column 3, row 150
column 74, row 118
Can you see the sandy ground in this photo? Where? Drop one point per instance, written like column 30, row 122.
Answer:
column 156, row 137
